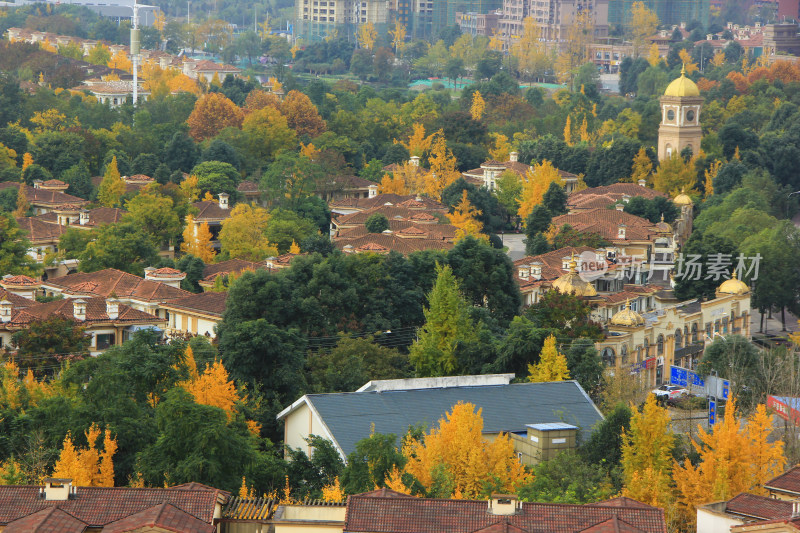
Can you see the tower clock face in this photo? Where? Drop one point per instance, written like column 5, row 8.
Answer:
column 690, row 115
column 670, row 115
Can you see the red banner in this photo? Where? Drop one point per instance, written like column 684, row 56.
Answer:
column 782, row 407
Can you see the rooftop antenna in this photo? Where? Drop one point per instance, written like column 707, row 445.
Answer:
column 135, row 52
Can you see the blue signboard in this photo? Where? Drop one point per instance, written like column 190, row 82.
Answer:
column 678, row 376
column 712, row 411
column 726, row 387
column 696, row 379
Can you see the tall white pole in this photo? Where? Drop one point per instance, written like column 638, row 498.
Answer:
column 135, row 52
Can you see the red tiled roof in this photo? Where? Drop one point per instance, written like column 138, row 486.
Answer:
column 395, row 515
column 551, row 263
column 605, row 222
column 40, row 232
column 208, row 210
column 759, row 506
column 612, row 525
column 164, row 516
column 97, row 216
column 166, row 272
column 210, row 303
column 382, row 199
column 18, row 302
column 391, row 212
column 19, row 280
column 98, row 506
column 247, row 186
column 391, row 242
column 95, row 311
column 205, row 64
column 624, row 501
column 789, row 481
column 44, row 197
column 446, row 232
column 52, row 520
column 111, row 281
column 597, row 197
column 54, row 183
column 231, row 265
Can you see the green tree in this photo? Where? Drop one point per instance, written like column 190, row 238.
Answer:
column 584, row 365
column 604, row 445
column 216, row 177
column 537, row 223
column 352, row 363
column 285, row 226
column 555, row 199
column 521, row 346
column 509, row 191
column 447, row 323
column 79, row 180
column 377, row 223
column 567, row 478
column 193, row 268
column 73, row 242
column 700, row 248
column 14, row 258
column 154, row 214
column 565, row 313
column 537, row 245
column 371, row 462
column 46, row 343
column 123, row 246
column 735, row 358
column 112, row 187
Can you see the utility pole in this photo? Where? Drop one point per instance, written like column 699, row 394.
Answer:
column 135, row 52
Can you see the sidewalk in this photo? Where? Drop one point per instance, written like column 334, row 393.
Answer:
column 773, row 326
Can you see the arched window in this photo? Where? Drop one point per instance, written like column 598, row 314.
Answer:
column 694, row 333
column 678, row 339
column 609, row 357
column 639, row 354
column 660, row 345
column 624, row 354
column 725, row 325
column 646, row 348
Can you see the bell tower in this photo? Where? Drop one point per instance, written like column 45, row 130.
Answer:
column 680, row 117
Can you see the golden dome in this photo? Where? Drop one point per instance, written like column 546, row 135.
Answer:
column 733, row 286
column 682, row 86
column 627, row 317
column 571, row 282
column 683, row 199
column 663, row 226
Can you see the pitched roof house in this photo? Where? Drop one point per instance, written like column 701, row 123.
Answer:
column 44, row 200
column 345, row 418
column 487, row 174
column 385, row 511
column 602, row 197
column 59, row 507
column 197, row 314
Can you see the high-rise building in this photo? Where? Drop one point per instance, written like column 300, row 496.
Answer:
column 553, row 17
column 444, row 11
column 317, row 19
column 668, row 11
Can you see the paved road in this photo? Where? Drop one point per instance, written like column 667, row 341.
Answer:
column 516, row 248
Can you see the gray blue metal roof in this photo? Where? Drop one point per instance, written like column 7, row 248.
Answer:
column 510, row 408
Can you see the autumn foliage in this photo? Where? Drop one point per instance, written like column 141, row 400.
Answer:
column 536, row 182
column 465, row 218
column 197, row 240
column 211, row 114
column 90, row 466
column 301, row 114
column 552, row 365
column 457, row 450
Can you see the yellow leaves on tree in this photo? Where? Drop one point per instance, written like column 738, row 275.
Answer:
column 568, row 131
column 260, row 99
column 647, row 455
column 197, row 240
column 242, row 234
column 458, row 450
column 529, row 49
column 190, row 188
column 333, row 492
column 642, row 24
column 478, row 106
column 537, row 181
column 22, row 201
column 675, row 175
column 733, row 459
column 294, row 249
column 552, row 365
column 309, row 150
column 465, row 218
column 642, row 167
column 213, row 388
column 501, row 147
column 9, row 386
column 88, row 467
column 121, row 61
column 398, row 36
column 211, row 114
column 393, row 185
column 686, row 58
column 394, row 481
column 418, row 143
column 49, row 120
column 654, row 55
column 443, row 169
column 302, row 115
column 112, row 187
column 719, row 58
column 367, row 35
column 711, row 173
column 27, row 160
column 183, row 84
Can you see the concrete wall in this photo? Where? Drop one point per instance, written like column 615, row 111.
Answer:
column 300, row 424
column 710, row 521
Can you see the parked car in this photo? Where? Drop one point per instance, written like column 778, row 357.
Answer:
column 666, row 393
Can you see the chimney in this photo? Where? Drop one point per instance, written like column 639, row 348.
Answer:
column 504, row 504
column 223, row 200
column 5, row 311
column 513, row 157
column 709, row 37
column 524, row 272
column 79, row 309
column 37, row 184
column 148, row 272
column 414, row 160
column 683, row 25
column 796, row 509
column 643, row 183
column 56, row 489
column 84, row 217
column 536, row 270
column 620, row 207
column 621, row 231
column 112, row 308
column 373, row 191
